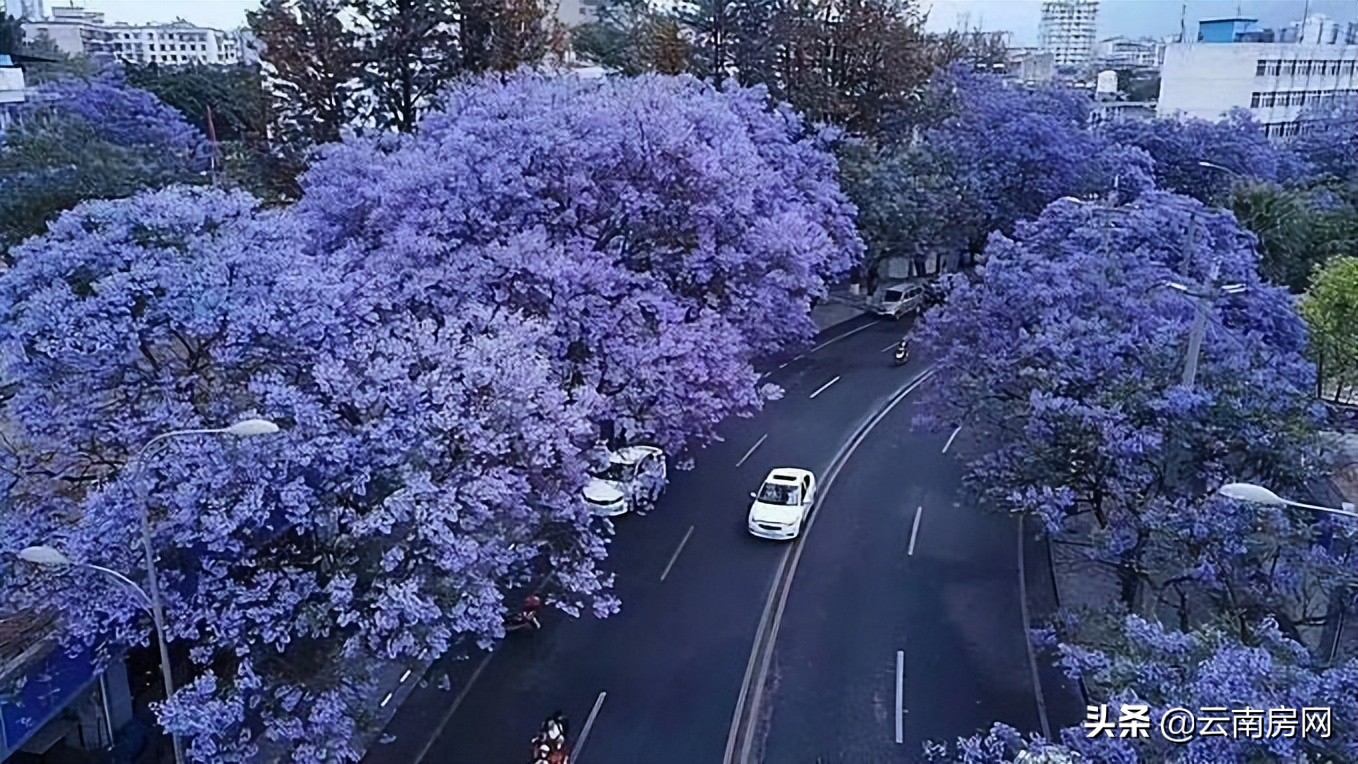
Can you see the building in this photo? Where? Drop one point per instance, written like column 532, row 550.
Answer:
column 76, row 31
column 1126, row 53
column 28, row 10
column 576, row 12
column 1104, row 112
column 1235, row 64
column 55, row 705
column 12, row 90
column 1067, row 30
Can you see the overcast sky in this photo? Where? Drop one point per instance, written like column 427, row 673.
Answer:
column 1134, row 18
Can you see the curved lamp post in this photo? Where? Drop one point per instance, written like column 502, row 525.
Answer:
column 1257, row 494
column 49, row 557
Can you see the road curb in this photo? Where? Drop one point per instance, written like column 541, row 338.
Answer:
column 1027, row 635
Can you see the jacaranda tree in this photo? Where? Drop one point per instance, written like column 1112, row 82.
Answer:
column 1065, row 358
column 1237, row 145
column 671, row 233
column 421, row 471
column 998, row 154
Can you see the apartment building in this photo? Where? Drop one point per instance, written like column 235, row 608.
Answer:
column 1236, row 65
column 78, row 31
column 1067, row 30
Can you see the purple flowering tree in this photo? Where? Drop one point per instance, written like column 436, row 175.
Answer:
column 990, row 155
column 1329, row 145
column 1066, row 357
column 424, row 470
column 670, row 232
column 1237, row 143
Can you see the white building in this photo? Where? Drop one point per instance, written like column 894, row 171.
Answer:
column 1274, row 81
column 1067, row 30
column 77, row 31
column 576, row 12
column 1123, row 52
column 13, row 91
column 29, row 10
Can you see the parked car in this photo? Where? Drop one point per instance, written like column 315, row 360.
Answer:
column 633, row 480
column 899, row 299
column 782, row 503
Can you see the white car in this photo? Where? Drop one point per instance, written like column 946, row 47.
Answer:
column 900, row 299
column 782, row 504
column 634, row 479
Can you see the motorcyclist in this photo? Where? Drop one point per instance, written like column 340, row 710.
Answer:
column 527, row 615
column 903, row 350
column 556, row 727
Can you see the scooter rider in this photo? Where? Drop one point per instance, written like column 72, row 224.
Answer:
column 902, row 351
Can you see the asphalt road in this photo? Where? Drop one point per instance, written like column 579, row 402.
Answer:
column 901, row 581
column 659, row 681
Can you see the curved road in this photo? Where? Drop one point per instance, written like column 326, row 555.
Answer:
column 659, row 682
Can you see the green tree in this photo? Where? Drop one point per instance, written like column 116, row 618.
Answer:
column 241, row 114
column 1331, row 309
column 1298, row 229
column 503, row 35
column 11, row 35
column 630, row 37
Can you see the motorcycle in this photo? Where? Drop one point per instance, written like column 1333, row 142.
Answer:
column 902, row 353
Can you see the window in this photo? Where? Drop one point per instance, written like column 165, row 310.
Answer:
column 1290, row 68
column 1348, row 67
column 1269, row 100
column 1260, row 68
column 1255, row 99
column 1273, row 68
column 1334, row 67
column 1300, row 99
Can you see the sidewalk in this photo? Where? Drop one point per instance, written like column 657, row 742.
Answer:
column 837, row 307
column 1064, row 697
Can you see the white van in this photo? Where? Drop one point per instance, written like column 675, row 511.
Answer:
column 899, row 299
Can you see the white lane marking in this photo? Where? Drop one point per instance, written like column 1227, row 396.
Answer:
column 952, row 437
column 888, row 347
column 845, row 335
column 900, row 696
column 589, row 723
column 919, row 511
column 824, row 386
column 784, row 365
column 385, row 701
column 757, row 443
column 675, row 556
column 406, row 675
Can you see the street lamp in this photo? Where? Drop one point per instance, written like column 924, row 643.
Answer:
column 1257, row 494
column 47, row 556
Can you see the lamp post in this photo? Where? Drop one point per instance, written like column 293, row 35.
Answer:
column 45, row 555
column 1257, row 494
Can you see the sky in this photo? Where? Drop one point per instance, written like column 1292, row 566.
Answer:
column 1132, row 18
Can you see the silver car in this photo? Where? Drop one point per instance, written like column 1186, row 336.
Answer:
column 896, row 301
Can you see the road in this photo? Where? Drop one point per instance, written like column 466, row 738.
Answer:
column 659, row 682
